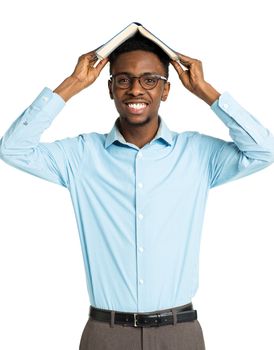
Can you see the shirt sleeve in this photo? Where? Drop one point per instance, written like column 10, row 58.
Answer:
column 252, row 148
column 20, row 146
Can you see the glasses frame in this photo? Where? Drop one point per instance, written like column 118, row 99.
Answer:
column 131, row 77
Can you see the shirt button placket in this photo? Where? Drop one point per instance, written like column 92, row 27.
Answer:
column 139, row 190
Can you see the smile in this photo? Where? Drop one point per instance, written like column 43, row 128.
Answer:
column 136, row 108
column 137, row 105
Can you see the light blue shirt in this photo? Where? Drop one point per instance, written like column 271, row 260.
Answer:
column 139, row 211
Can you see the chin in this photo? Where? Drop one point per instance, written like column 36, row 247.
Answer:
column 137, row 120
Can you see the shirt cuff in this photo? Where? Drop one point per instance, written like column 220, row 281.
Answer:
column 49, row 101
column 234, row 116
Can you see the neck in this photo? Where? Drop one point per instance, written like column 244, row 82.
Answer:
column 138, row 135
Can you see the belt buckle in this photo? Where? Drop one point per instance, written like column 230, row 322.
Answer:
column 135, row 320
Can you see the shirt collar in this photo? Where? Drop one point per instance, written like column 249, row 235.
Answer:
column 162, row 133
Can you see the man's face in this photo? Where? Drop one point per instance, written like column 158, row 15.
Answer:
column 136, row 105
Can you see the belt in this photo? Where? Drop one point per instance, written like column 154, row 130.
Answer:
column 149, row 319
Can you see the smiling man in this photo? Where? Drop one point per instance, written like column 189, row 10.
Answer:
column 138, row 99
column 139, row 192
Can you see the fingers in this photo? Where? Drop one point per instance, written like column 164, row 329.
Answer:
column 90, row 53
column 93, row 51
column 190, row 71
column 89, row 57
column 187, row 61
column 192, row 65
column 100, row 64
column 90, row 61
column 179, row 69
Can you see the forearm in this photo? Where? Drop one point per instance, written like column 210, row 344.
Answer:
column 83, row 76
column 68, row 88
column 207, row 93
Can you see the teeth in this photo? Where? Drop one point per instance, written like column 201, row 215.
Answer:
column 136, row 105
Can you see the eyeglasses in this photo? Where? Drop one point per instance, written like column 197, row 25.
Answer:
column 147, row 81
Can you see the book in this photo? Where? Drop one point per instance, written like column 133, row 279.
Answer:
column 105, row 50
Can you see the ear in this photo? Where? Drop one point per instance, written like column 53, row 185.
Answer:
column 166, row 91
column 110, row 89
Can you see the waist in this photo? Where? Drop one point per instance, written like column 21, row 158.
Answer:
column 161, row 317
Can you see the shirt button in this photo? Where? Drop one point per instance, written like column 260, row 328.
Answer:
column 140, row 216
column 141, row 249
column 25, row 123
column 140, row 185
column 141, row 281
column 140, row 154
column 45, row 98
column 225, row 105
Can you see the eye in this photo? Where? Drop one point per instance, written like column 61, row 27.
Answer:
column 122, row 79
column 150, row 80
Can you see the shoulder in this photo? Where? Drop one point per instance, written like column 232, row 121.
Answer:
column 199, row 138
column 84, row 140
column 79, row 146
column 200, row 143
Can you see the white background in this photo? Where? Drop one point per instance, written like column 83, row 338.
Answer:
column 43, row 297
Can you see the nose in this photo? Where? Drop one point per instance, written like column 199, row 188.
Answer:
column 136, row 89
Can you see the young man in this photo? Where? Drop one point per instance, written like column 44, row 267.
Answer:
column 139, row 192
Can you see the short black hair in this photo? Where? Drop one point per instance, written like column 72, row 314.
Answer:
column 139, row 42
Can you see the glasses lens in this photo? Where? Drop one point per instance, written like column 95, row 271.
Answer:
column 122, row 81
column 149, row 81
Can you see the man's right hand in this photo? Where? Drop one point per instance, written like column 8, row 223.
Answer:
column 83, row 76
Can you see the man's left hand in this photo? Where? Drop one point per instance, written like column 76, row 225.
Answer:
column 193, row 78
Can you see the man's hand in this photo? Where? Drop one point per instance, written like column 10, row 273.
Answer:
column 83, row 76
column 193, row 78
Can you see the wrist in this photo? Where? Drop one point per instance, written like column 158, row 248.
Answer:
column 68, row 88
column 207, row 93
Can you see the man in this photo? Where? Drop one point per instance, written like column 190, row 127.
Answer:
column 139, row 192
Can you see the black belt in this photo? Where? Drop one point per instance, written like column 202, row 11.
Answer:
column 184, row 314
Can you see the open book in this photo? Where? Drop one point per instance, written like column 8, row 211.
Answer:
column 104, row 50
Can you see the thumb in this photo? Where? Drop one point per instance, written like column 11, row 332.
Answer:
column 183, row 74
column 179, row 69
column 100, row 64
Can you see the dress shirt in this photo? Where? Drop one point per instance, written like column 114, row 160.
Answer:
column 139, row 211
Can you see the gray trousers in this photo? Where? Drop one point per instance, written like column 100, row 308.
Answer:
column 99, row 335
